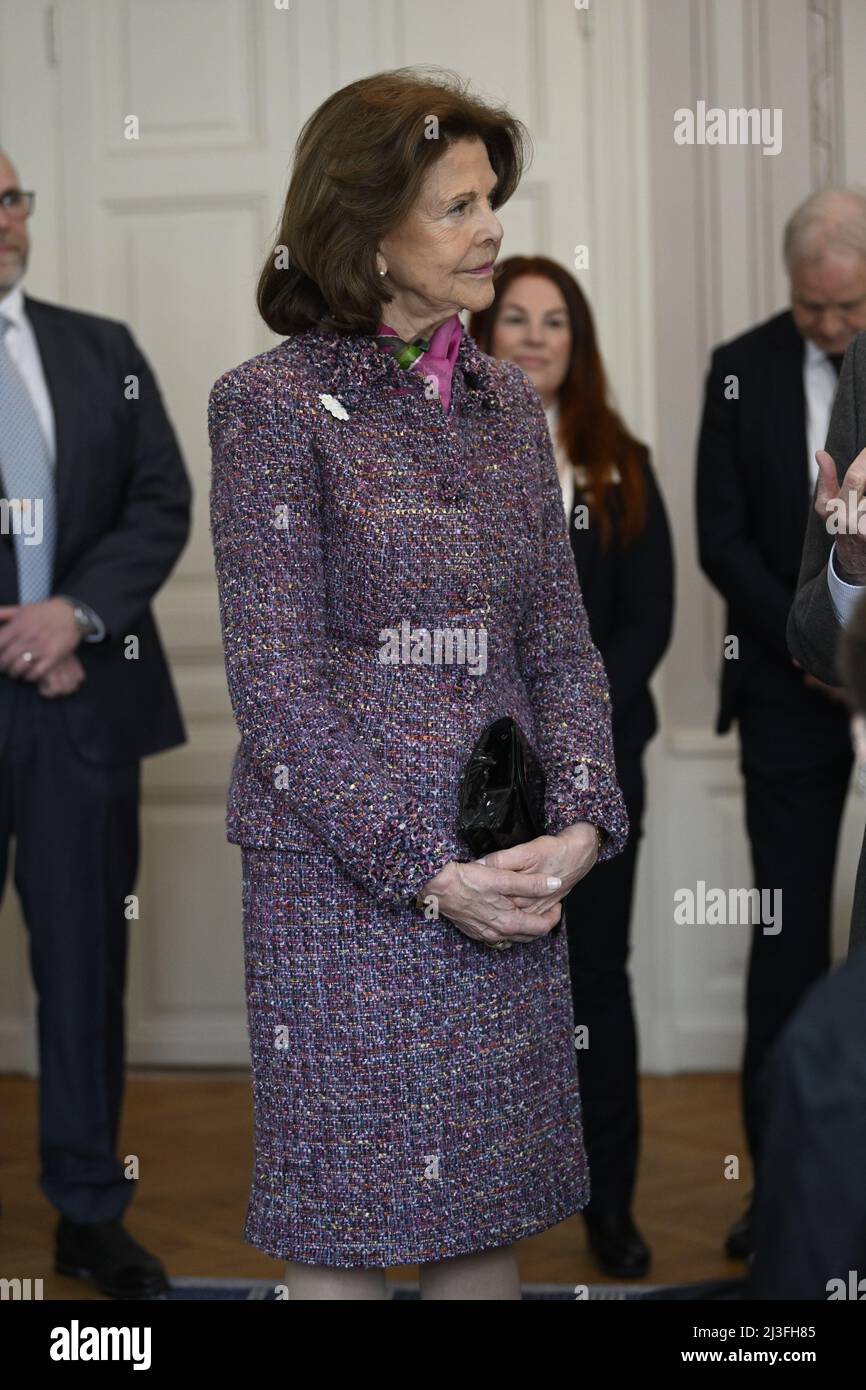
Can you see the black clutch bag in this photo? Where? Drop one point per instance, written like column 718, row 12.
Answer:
column 502, row 792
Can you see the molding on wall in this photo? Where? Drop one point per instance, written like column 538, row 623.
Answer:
column 756, row 62
column 824, row 37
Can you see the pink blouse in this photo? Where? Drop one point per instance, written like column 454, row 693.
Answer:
column 438, row 361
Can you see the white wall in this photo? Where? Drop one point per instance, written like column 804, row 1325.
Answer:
column 717, row 219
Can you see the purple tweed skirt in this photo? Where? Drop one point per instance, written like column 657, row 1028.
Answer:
column 415, row 1093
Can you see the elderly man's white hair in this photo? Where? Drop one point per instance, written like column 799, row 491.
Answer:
column 833, row 220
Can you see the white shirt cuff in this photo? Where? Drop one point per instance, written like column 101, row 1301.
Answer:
column 844, row 596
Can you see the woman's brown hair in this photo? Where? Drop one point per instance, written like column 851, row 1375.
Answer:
column 360, row 160
column 590, row 430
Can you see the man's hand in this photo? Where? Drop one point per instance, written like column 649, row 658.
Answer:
column 47, row 629
column 567, row 856
column 842, row 503
column 833, row 692
column 62, row 679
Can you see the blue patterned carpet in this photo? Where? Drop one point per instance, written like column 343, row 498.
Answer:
column 262, row 1290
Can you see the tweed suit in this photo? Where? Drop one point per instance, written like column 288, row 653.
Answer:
column 416, row 1093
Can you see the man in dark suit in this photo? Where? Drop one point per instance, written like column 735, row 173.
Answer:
column 768, row 399
column 95, row 510
column 810, row 1197
column 832, row 576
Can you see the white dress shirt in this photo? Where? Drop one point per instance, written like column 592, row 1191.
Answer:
column 820, row 380
column 564, row 465
column 21, row 343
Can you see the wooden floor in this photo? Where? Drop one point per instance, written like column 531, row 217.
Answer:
column 192, row 1132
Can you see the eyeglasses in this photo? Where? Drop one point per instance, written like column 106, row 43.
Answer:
column 17, row 203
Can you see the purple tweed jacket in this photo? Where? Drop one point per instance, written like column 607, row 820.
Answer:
column 347, row 505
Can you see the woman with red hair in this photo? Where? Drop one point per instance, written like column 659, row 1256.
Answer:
column 622, row 547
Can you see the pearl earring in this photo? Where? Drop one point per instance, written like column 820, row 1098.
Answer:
column 383, row 272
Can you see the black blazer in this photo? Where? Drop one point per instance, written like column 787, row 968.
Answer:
column 123, row 518
column 629, row 599
column 810, row 1197
column 754, row 494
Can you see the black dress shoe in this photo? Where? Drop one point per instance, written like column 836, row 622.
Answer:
column 618, row 1246
column 740, row 1242
column 105, row 1252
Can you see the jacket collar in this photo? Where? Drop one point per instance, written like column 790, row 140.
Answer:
column 355, row 367
column 788, row 450
column 787, row 340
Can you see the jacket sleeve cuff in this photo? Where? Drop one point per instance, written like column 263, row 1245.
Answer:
column 602, row 805
column 416, row 855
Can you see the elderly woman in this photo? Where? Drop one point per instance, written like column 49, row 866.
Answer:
column 414, row 1075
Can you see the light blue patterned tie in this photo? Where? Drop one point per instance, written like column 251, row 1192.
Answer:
column 27, row 472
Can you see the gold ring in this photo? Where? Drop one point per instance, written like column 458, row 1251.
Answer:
column 502, row 945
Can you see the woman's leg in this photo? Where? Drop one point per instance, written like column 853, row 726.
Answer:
column 489, row 1274
column 325, row 1281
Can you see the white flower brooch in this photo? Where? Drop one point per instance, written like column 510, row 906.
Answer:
column 336, row 407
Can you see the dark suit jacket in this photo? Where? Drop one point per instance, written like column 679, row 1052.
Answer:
column 629, row 600
column 123, row 517
column 753, row 499
column 813, row 628
column 810, row 1196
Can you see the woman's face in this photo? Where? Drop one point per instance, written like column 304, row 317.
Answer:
column 432, row 259
column 533, row 330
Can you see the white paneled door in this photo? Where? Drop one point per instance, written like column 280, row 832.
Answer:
column 158, row 134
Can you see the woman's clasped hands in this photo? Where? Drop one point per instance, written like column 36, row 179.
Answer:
column 514, row 894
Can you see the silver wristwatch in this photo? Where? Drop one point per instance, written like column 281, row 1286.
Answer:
column 86, row 625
